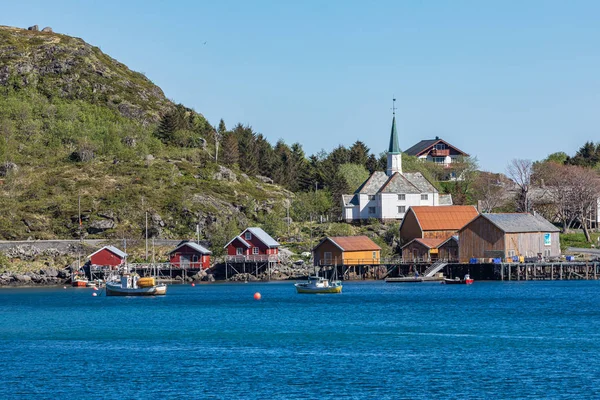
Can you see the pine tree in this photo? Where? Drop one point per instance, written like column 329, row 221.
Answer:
column 359, row 153
column 230, row 152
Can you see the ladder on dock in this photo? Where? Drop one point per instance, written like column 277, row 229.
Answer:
column 434, row 268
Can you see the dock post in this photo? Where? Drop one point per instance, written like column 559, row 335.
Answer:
column 508, row 265
column 502, row 271
column 561, row 271
column 552, row 272
column 526, row 272
column 587, row 272
column 595, row 268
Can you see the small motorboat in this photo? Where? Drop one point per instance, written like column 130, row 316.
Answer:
column 405, row 279
column 79, row 281
column 133, row 285
column 467, row 280
column 317, row 285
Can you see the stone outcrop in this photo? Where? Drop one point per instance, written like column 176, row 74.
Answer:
column 47, row 29
column 100, row 226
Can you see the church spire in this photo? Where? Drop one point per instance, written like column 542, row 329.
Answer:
column 394, row 157
column 394, row 147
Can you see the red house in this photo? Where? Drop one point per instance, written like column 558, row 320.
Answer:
column 107, row 256
column 190, row 255
column 253, row 244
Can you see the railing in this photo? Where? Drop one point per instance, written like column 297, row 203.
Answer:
column 253, row 258
column 440, row 153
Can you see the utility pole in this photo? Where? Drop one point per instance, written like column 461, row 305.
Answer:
column 146, row 235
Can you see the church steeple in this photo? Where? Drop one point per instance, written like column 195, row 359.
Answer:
column 394, row 157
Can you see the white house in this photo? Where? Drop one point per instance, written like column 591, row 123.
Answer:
column 387, row 196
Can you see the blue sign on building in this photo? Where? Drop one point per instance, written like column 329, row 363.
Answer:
column 547, row 239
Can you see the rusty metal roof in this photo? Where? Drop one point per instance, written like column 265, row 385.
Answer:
column 353, row 243
column 446, row 218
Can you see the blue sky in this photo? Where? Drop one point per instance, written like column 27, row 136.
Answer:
column 498, row 79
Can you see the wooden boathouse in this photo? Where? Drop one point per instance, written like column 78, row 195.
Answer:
column 346, row 250
column 107, row 256
column 189, row 254
column 428, row 222
column 513, row 237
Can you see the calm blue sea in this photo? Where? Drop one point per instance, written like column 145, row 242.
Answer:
column 493, row 340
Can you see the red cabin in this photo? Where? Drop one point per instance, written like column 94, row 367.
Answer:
column 253, row 243
column 107, row 256
column 190, row 255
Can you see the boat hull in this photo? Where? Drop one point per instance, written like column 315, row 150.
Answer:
column 326, row 290
column 458, row 282
column 117, row 290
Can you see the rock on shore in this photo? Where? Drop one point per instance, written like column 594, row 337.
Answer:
column 49, row 276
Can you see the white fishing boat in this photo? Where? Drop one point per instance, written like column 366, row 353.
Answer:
column 133, row 285
column 316, row 285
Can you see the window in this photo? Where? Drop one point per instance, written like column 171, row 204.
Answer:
column 374, row 255
column 255, row 250
column 239, row 251
column 402, row 197
column 401, row 209
column 425, row 196
column 248, row 236
column 371, row 197
column 327, row 257
column 195, row 258
column 439, row 160
column 371, row 210
column 440, row 146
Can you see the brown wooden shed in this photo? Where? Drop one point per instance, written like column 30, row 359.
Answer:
column 508, row 235
column 421, row 250
column 347, row 250
column 438, row 222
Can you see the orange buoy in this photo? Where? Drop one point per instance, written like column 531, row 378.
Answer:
column 94, row 294
column 257, row 296
column 193, row 284
column 95, row 288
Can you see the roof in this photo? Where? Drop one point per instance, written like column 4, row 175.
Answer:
column 373, row 183
column 520, row 223
column 453, row 237
column 112, row 249
column 352, row 243
column 394, row 147
column 420, row 147
column 350, row 200
column 193, row 245
column 425, row 145
column 446, row 218
column 431, row 243
column 398, row 183
column 417, row 179
column 263, row 236
column 240, row 239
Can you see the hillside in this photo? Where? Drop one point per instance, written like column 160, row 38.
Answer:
column 77, row 124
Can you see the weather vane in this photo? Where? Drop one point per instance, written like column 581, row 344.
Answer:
column 394, row 106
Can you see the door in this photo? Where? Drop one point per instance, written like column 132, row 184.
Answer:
column 184, row 261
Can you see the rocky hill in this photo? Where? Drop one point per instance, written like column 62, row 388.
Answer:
column 64, row 66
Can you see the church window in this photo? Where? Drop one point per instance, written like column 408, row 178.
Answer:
column 425, row 196
column 402, row 197
column 401, row 209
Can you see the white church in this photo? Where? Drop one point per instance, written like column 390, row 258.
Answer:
column 387, row 196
